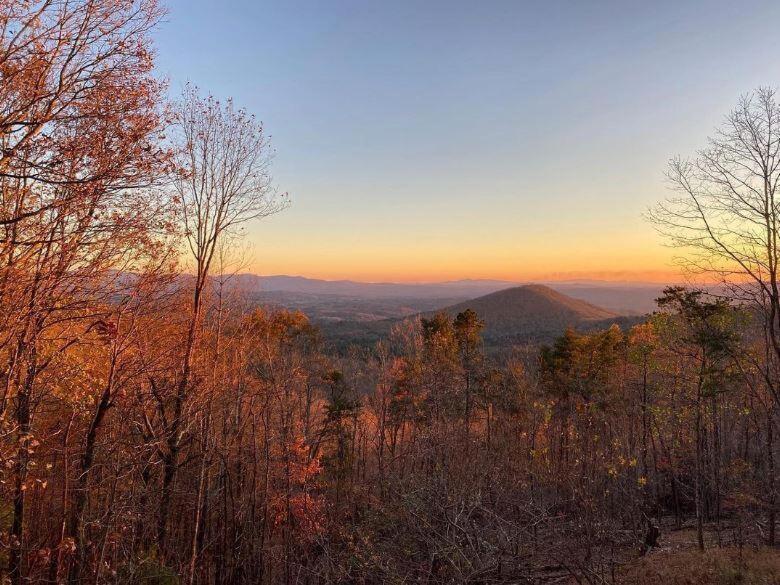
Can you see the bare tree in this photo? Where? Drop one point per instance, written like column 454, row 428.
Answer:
column 726, row 217
column 223, row 157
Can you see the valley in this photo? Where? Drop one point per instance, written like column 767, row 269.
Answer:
column 353, row 313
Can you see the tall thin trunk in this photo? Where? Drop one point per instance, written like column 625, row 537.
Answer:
column 698, row 488
column 23, row 420
column 75, row 523
column 56, row 560
column 771, row 517
column 716, row 463
column 173, row 438
column 198, row 512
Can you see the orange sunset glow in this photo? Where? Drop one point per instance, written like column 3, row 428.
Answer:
column 394, row 246
column 409, row 292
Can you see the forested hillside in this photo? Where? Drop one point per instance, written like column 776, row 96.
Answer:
column 516, row 316
column 154, row 430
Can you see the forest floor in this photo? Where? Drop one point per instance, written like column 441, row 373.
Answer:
column 677, row 561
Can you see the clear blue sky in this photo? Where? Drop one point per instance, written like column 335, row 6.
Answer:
column 427, row 140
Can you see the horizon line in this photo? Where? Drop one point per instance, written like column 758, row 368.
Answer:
column 524, row 281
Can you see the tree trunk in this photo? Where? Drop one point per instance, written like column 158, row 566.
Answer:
column 770, row 476
column 75, row 530
column 698, row 489
column 23, row 419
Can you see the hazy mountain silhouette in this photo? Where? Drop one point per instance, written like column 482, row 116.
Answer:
column 532, row 310
column 300, row 284
column 624, row 298
column 522, row 314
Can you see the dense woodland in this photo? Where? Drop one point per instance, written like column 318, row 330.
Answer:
column 154, row 430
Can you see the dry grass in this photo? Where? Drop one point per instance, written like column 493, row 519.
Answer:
column 717, row 566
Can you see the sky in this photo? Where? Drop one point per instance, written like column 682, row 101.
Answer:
column 439, row 140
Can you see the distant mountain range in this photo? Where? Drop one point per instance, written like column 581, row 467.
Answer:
column 345, row 296
column 300, row 284
column 517, row 315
